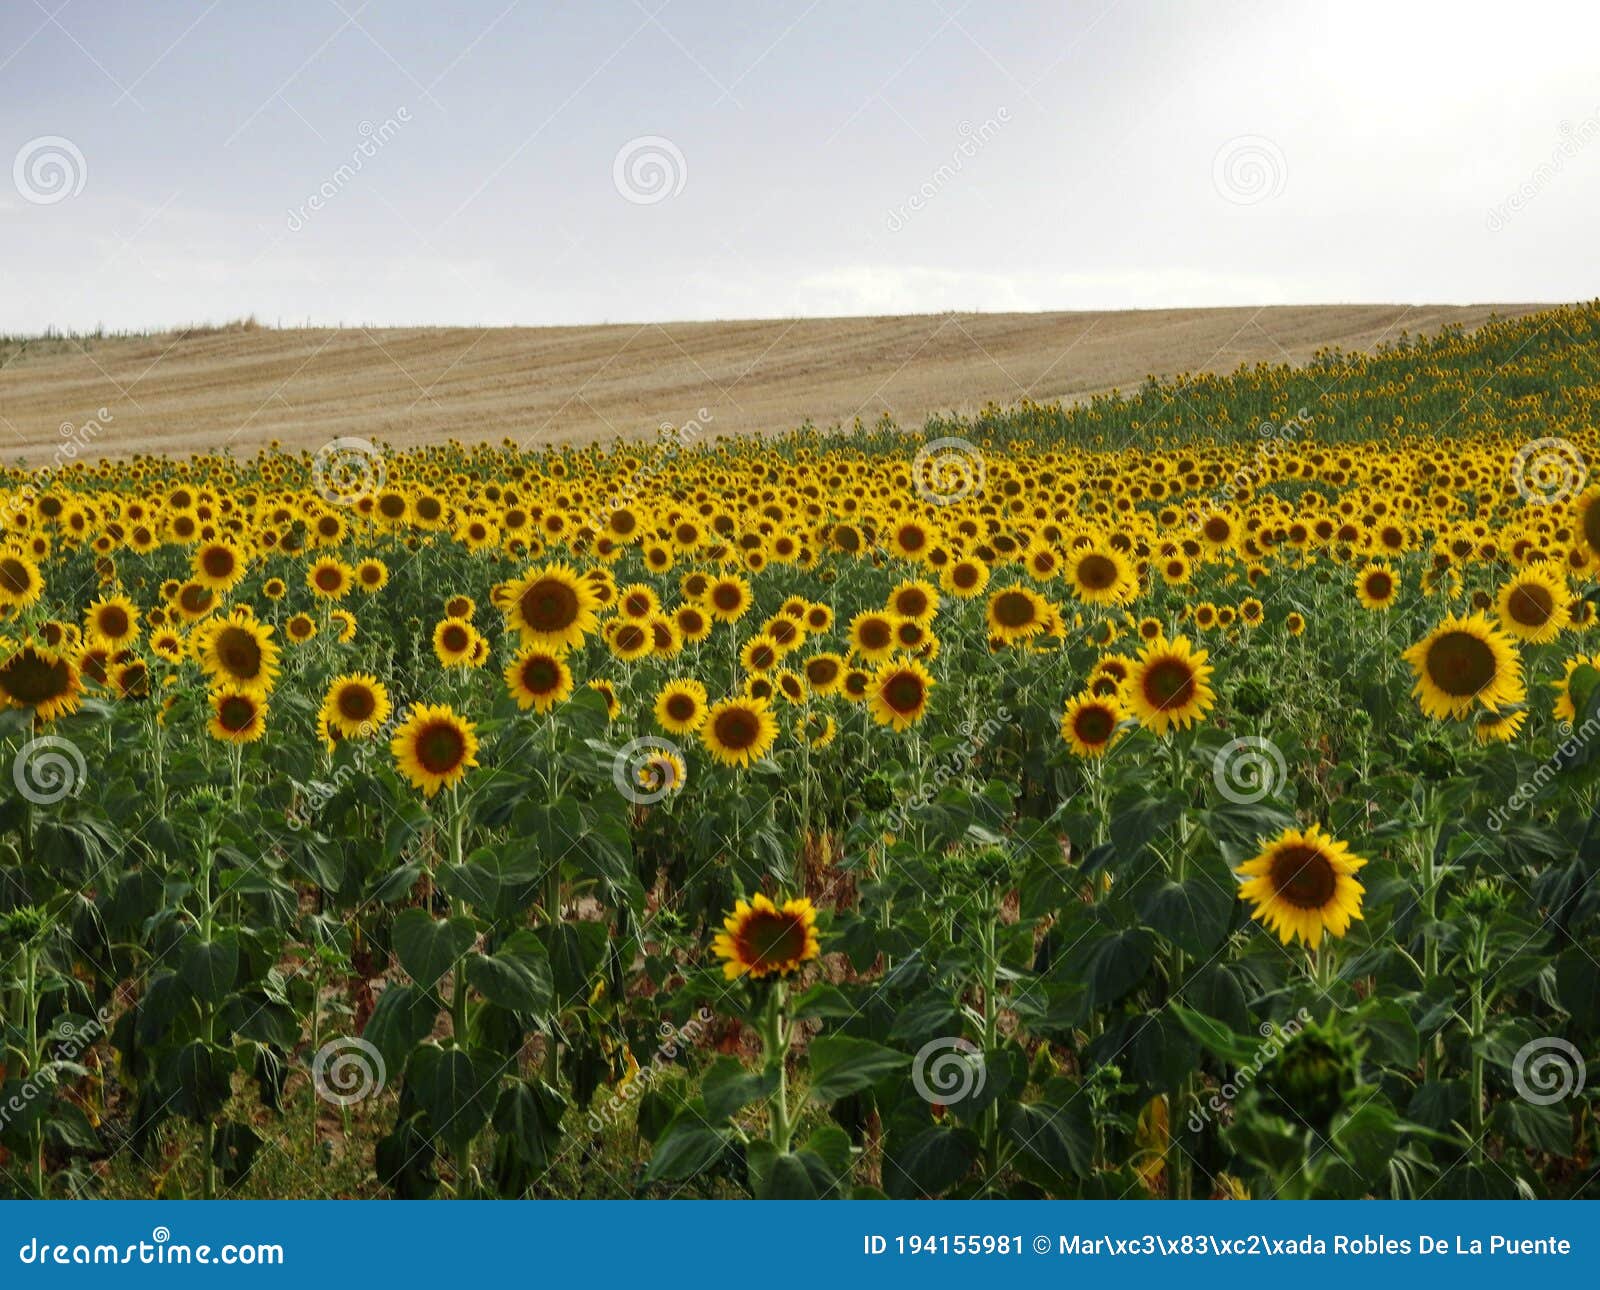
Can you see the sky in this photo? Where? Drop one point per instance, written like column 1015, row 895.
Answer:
column 516, row 162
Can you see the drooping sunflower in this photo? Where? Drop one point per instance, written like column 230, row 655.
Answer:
column 113, row 621
column 38, row 677
column 898, row 694
column 237, row 651
column 1498, row 727
column 1465, row 663
column 761, row 939
column 356, row 705
column 552, row 606
column 1303, row 884
column 1169, row 685
column 538, row 678
column 1089, row 724
column 739, row 731
column 1533, row 604
column 434, row 747
column 680, row 707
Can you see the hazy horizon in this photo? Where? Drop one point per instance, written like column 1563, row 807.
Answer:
column 511, row 164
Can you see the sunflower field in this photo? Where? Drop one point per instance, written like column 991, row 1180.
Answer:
column 1189, row 793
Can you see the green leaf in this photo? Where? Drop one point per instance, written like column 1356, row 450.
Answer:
column 429, row 947
column 1391, row 1032
column 841, row 1065
column 402, row 1019
column 1542, row 1128
column 456, row 1089
column 687, row 1148
column 728, row 1088
column 1117, row 963
column 1057, row 1140
column 1216, row 1036
column 516, row 976
column 929, row 1163
column 1192, row 915
column 209, row 968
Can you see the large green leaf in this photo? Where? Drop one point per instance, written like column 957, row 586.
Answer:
column 841, row 1065
column 429, row 947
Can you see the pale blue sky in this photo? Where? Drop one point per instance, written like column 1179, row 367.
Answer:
column 821, row 157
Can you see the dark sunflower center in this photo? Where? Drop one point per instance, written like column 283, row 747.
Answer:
column 964, row 575
column 357, row 703
column 1303, row 877
column 737, row 729
column 1591, row 526
column 637, row 606
column 31, row 679
column 549, row 606
column 1168, row 683
column 439, row 748
column 772, row 940
column 235, row 713
column 726, row 597
column 391, row 506
column 1460, row 664
column 1531, row 604
column 541, row 674
column 680, row 707
column 454, row 638
column 913, row 604
column 875, row 634
column 1094, row 725
column 113, row 621
column 1013, row 609
column 1096, row 572
column 329, row 578
column 14, row 576
column 1379, row 585
column 1217, row 530
column 821, row 671
column 903, row 692
column 238, row 652
column 217, row 561
column 630, row 638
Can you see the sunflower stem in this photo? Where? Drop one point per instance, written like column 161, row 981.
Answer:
column 775, row 1043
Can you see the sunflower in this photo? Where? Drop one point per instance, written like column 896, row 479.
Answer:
column 372, row 575
column 112, row 621
column 1295, row 624
column 914, row 598
column 356, row 705
column 728, row 598
column 1016, row 614
column 36, row 676
column 20, row 582
column 130, row 679
column 898, row 694
column 1089, row 724
column 237, row 716
column 1376, row 587
column 344, row 624
column 538, row 678
column 455, row 641
column 1303, row 884
column 237, row 651
column 217, row 565
column 1498, row 727
column 739, row 731
column 760, row 938
column 1533, row 605
column 300, row 628
column 1462, row 663
column 824, row 673
column 434, row 747
column 329, row 578
column 817, row 729
column 872, row 635
column 964, row 578
column 1587, row 515
column 680, row 707
column 552, row 606
column 760, row 653
column 1566, row 708
column 1100, row 576
column 274, row 589
column 1169, row 685
column 608, row 692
